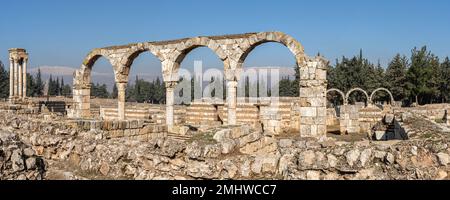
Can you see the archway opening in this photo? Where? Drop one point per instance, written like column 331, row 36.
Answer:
column 102, row 87
column 358, row 97
column 270, row 70
column 204, row 70
column 145, row 93
column 382, row 96
column 269, row 66
column 335, row 98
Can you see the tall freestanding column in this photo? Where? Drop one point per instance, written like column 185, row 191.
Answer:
column 232, row 101
column 121, row 88
column 24, row 78
column 11, row 78
column 170, row 99
column 20, row 79
column 17, row 79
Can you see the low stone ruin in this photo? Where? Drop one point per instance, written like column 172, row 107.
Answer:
column 68, row 149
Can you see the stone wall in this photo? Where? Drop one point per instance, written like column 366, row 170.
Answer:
column 349, row 120
column 278, row 117
column 143, row 112
column 83, row 150
column 368, row 117
column 432, row 111
column 134, row 129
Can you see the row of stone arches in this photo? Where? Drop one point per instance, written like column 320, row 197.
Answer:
column 346, row 96
column 232, row 51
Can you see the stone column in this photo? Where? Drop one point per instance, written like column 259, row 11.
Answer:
column 121, row 87
column 232, row 101
column 16, row 78
column 24, row 91
column 11, row 78
column 170, row 99
column 20, row 80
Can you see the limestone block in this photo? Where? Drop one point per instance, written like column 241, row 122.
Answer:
column 321, row 74
column 308, row 111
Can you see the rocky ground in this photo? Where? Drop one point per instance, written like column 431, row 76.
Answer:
column 41, row 147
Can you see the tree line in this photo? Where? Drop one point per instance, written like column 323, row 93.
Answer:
column 420, row 78
column 35, row 85
column 58, row 88
column 139, row 91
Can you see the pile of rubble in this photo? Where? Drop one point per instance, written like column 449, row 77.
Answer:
column 17, row 160
column 234, row 152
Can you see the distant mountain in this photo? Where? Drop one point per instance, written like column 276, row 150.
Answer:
column 283, row 71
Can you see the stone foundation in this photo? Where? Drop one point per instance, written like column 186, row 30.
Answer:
column 136, row 129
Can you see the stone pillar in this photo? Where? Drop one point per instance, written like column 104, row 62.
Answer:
column 170, row 99
column 11, row 78
column 16, row 77
column 349, row 120
column 121, row 87
column 313, row 86
column 82, row 101
column 20, row 80
column 24, row 91
column 232, row 101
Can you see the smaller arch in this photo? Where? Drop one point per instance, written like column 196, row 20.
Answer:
column 340, row 92
column 360, row 90
column 382, row 89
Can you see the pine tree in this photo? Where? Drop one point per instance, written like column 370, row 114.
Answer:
column 422, row 82
column 62, row 86
column 31, row 86
column 396, row 77
column 39, row 87
column 57, row 87
column 296, row 82
column 4, row 82
column 51, row 86
column 444, row 81
column 114, row 92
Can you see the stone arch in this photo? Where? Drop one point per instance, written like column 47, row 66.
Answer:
column 344, row 99
column 82, row 83
column 278, row 37
column 181, row 50
column 88, row 63
column 129, row 57
column 382, row 89
column 360, row 90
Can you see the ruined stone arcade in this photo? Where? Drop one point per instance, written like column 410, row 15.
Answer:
column 232, row 50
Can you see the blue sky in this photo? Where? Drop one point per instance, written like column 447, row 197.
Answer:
column 61, row 33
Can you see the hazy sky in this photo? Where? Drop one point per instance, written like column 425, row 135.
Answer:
column 61, row 33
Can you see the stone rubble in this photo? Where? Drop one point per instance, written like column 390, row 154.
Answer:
column 36, row 149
